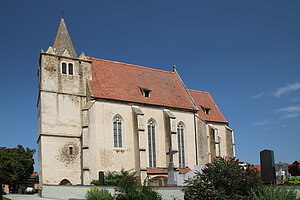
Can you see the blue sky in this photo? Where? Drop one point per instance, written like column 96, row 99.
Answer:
column 245, row 53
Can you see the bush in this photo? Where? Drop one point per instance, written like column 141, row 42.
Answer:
column 292, row 180
column 223, row 179
column 95, row 193
column 129, row 186
column 271, row 193
column 95, row 182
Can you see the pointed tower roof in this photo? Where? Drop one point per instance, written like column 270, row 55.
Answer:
column 63, row 40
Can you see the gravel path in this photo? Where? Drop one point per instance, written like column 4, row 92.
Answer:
column 27, row 197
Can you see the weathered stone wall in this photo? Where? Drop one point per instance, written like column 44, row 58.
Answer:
column 51, row 78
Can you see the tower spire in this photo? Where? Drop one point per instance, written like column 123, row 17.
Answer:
column 63, row 40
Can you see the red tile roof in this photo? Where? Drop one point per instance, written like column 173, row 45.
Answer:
column 204, row 100
column 165, row 170
column 257, row 167
column 121, row 81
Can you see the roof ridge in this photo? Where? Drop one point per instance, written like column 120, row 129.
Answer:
column 199, row 91
column 132, row 65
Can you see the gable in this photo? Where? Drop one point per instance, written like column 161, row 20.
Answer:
column 205, row 102
column 126, row 82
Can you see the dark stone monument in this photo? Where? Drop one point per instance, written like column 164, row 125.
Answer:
column 267, row 166
column 101, row 178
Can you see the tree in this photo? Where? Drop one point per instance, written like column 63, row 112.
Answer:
column 223, row 179
column 294, row 169
column 16, row 164
column 5, row 169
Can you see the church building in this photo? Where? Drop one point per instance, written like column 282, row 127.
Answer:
column 101, row 115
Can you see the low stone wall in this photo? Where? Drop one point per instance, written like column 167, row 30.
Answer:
column 78, row 192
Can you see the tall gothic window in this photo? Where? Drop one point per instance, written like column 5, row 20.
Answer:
column 180, row 136
column 151, row 144
column 117, row 124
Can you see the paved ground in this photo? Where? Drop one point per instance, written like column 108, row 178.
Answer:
column 26, row 197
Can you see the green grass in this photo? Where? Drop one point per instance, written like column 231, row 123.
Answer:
column 4, row 198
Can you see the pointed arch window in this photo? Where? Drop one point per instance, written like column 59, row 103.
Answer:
column 180, row 137
column 151, row 144
column 117, row 126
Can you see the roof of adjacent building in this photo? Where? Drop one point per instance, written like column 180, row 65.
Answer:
column 125, row 82
column 205, row 101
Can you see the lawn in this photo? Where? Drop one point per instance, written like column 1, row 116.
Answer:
column 4, row 198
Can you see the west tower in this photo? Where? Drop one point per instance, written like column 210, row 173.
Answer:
column 63, row 82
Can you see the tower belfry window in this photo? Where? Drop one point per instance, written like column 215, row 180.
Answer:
column 64, row 68
column 67, row 68
column 70, row 66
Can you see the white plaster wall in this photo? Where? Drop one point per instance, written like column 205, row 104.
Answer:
column 189, row 137
column 104, row 157
column 60, row 114
column 56, row 165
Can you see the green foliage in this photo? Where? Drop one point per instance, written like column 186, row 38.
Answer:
column 128, row 186
column 16, row 164
column 223, row 179
column 95, row 193
column 294, row 169
column 120, row 178
column 95, row 182
column 272, row 193
column 292, row 180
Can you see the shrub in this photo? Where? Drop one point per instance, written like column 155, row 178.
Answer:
column 292, row 180
column 95, row 182
column 271, row 193
column 223, row 179
column 95, row 193
column 129, row 186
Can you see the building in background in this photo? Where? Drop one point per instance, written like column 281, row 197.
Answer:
column 100, row 115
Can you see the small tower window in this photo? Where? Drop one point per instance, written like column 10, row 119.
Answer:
column 64, row 68
column 71, row 150
column 70, row 65
column 146, row 92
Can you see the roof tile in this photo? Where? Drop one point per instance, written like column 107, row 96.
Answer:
column 204, row 100
column 121, row 81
